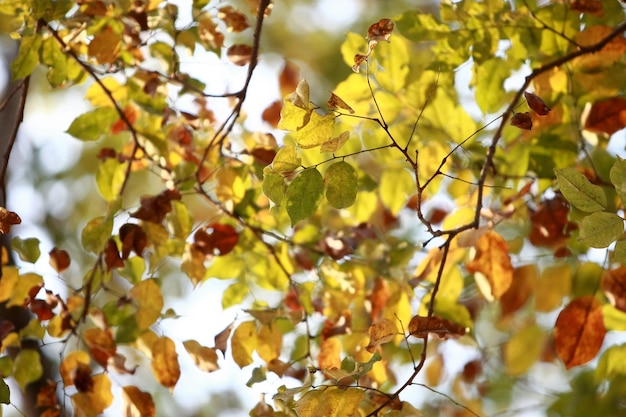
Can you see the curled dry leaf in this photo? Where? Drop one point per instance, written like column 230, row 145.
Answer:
column 112, row 257
column 358, row 60
column 536, row 104
column 380, row 31
column 205, row 358
column 336, row 102
column 334, row 144
column 522, row 121
column 420, row 326
column 8, row 219
column 155, row 208
column 239, row 54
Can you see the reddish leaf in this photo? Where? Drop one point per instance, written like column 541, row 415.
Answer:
column 380, row 31
column 133, row 239
column 550, row 226
column 421, row 326
column 522, row 121
column 131, row 114
column 112, row 257
column 607, row 116
column 42, row 309
column 289, row 78
column 155, row 208
column 6, row 327
column 593, row 7
column 219, row 240
column 47, row 395
column 536, row 104
column 8, row 219
column 614, row 287
column 358, row 60
column 106, row 153
column 579, row 331
column 472, row 370
column 239, row 54
column 271, row 114
column 520, row 290
column 336, row 248
column 81, row 377
column 59, row 259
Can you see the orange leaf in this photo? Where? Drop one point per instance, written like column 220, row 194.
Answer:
column 381, row 332
column 379, row 297
column 330, row 354
column 271, row 114
column 47, row 395
column 8, row 219
column 137, row 403
column 521, row 288
column 94, row 402
column 239, row 54
column 493, row 261
column 579, row 331
column 101, row 344
column 289, row 78
column 165, row 365
column 607, row 116
column 614, row 287
column 420, row 326
column 59, row 259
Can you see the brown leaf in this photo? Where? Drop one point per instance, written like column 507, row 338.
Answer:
column 579, row 331
column 205, row 358
column 47, row 395
column 112, row 257
column 155, row 208
column 42, row 309
column 137, row 403
column 81, row 376
column 59, row 259
column 520, row 290
column 216, row 239
column 165, row 365
column 493, row 261
column 105, row 46
column 522, row 121
column 381, row 332
column 8, row 219
column 607, row 116
column 209, row 33
column 549, row 223
column 380, row 31
column 133, row 238
column 379, row 297
column 235, row 20
column 536, row 104
column 239, row 54
column 336, row 102
column 101, row 344
column 593, row 7
column 421, row 326
column 289, row 78
column 329, row 356
column 358, row 60
column 117, row 363
column 614, row 287
column 70, row 364
column 271, row 114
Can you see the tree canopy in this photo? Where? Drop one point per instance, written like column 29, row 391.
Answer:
column 440, row 234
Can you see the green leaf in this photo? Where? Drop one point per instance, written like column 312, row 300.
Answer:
column 304, row 195
column 600, row 229
column 96, row 233
column 579, row 191
column 286, row 160
column 53, row 56
column 27, row 249
column 420, row 27
column 618, row 178
column 93, row 124
column 341, row 184
column 317, row 131
column 395, row 187
column 5, row 393
column 128, row 330
column 258, row 375
column 133, row 270
column 619, row 255
column 27, row 367
column 27, row 57
column 489, row 79
column 6, row 366
column 612, row 363
column 110, row 178
column 273, row 186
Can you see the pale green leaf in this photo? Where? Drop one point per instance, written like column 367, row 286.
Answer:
column 618, row 178
column 110, row 178
column 600, row 229
column 273, row 186
column 619, row 255
column 92, row 125
column 53, row 56
column 235, row 294
column 133, row 269
column 27, row 249
column 27, row 367
column 304, row 195
column 341, row 184
column 27, row 57
column 318, row 130
column 96, row 233
column 579, row 191
column 420, row 27
column 330, row 402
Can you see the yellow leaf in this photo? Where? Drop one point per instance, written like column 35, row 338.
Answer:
column 91, row 404
column 330, row 354
column 148, row 295
column 11, row 340
column 329, row 402
column 269, row 342
column 493, row 261
column 98, row 98
column 137, row 403
column 165, row 365
column 22, row 289
column 395, row 187
column 381, row 332
column 70, row 363
column 318, row 130
column 230, row 186
column 523, row 349
column 145, row 342
column 554, row 283
column 8, row 281
column 205, row 358
column 243, row 343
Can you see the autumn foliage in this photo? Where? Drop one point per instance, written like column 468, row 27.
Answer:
column 361, row 239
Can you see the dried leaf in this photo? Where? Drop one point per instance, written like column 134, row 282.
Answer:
column 216, row 239
column 522, row 121
column 536, row 104
column 165, row 365
column 101, row 344
column 221, row 339
column 380, row 31
column 607, row 116
column 579, row 331
column 336, row 102
column 420, row 326
column 593, row 7
column 519, row 292
column 235, row 20
column 136, row 403
column 94, row 402
column 493, row 261
column 155, row 208
column 133, row 238
column 8, row 219
column 289, row 78
column 112, row 257
column 47, row 395
column 59, row 259
column 239, row 54
column 381, row 332
column 329, row 356
column 334, row 144
column 105, row 46
column 205, row 358
column 271, row 114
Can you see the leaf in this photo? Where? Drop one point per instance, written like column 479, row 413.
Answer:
column 5, row 392
column 523, row 349
column 221, row 339
column 94, row 402
column 155, row 208
column 105, row 46
column 618, row 178
column 27, row 57
column 239, row 54
column 205, row 358
column 329, row 356
column 101, row 344
column 258, row 375
column 394, row 188
column 381, row 332
column 243, row 343
column 209, row 33
column 522, row 287
column 579, row 191
column 289, row 78
column 317, row 131
column 380, row 31
column 536, row 104
column 613, row 284
column 59, row 259
column 579, row 331
column 334, row 144
column 330, row 402
column 273, row 186
column 96, row 234
column 133, row 238
column 336, row 102
column 27, row 249
column 25, row 289
column 27, row 367
column 269, row 342
column 165, row 365
column 420, row 326
column 522, row 121
column 216, row 239
column 341, row 184
column 286, row 160
column 148, row 295
column 600, row 229
column 110, row 178
column 607, row 116
column 304, row 195
column 235, row 20
column 493, row 261
column 92, row 125
column 8, row 219
column 137, row 403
